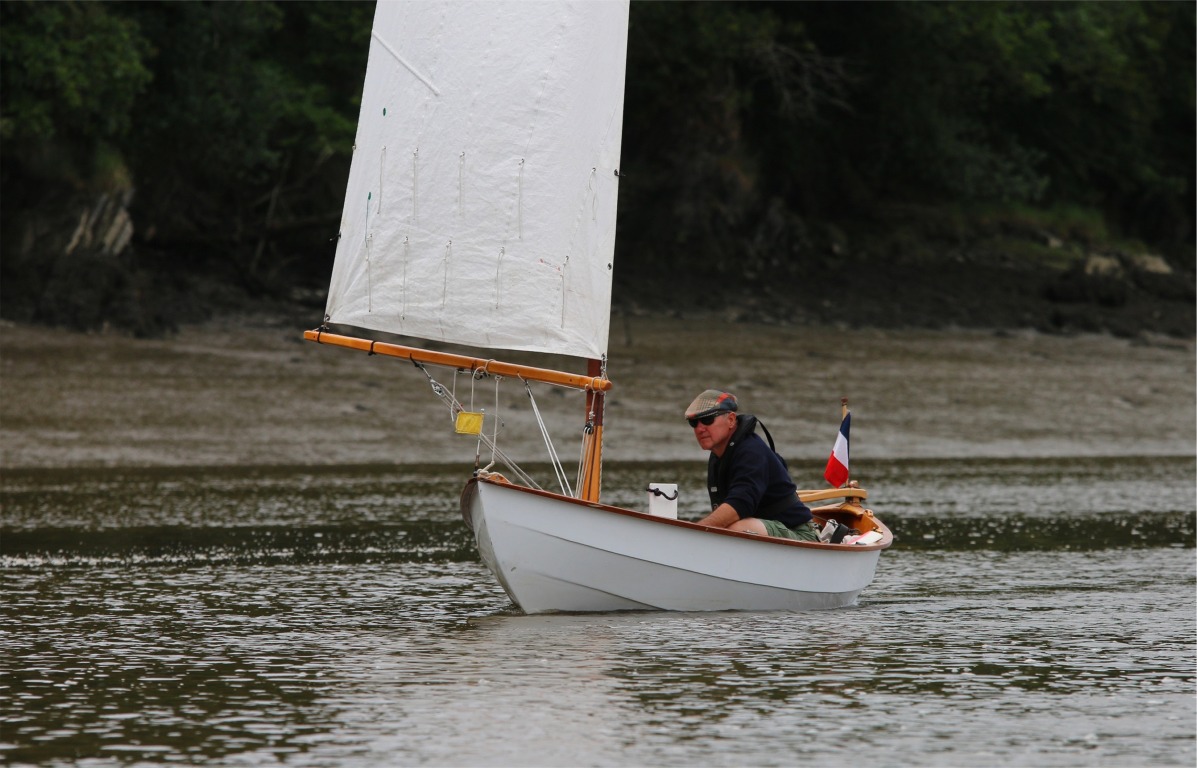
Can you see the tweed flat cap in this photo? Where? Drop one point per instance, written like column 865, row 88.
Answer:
column 711, row 401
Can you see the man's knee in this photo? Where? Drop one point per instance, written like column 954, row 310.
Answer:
column 749, row 525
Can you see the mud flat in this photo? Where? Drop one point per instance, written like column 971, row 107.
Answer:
column 254, row 393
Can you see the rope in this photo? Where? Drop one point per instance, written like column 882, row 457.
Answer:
column 495, row 440
column 455, row 407
column 586, row 451
column 558, row 470
column 659, row 492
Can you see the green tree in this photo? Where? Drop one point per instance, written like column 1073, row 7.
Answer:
column 1079, row 102
column 248, row 128
column 700, row 75
column 70, row 74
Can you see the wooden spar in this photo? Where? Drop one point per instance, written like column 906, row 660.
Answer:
column 592, row 443
column 832, row 493
column 594, row 384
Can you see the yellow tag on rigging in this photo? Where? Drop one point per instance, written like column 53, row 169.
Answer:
column 469, row 423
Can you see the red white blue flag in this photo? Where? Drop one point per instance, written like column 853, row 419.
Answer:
column 837, row 466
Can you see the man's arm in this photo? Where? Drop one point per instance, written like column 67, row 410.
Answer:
column 722, row 516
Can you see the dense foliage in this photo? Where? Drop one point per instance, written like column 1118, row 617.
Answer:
column 755, row 135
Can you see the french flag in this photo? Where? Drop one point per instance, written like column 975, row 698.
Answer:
column 837, row 466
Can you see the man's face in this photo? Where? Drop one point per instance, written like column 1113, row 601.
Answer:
column 713, row 436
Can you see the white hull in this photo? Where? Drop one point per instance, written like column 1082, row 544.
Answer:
column 555, row 553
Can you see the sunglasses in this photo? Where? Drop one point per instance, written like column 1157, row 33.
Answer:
column 706, row 421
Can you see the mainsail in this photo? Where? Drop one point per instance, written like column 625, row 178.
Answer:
column 481, row 202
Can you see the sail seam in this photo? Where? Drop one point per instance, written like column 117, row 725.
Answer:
column 406, row 65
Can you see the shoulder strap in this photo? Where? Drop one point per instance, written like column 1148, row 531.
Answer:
column 769, row 438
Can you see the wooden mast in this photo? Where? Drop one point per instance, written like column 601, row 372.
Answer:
column 592, row 443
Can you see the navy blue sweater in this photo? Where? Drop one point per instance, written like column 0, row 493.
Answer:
column 756, row 482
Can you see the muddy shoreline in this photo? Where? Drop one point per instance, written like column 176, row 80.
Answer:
column 249, row 391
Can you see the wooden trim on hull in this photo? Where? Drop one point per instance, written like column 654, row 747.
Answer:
column 846, row 513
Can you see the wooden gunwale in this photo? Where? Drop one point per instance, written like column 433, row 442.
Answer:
column 886, row 540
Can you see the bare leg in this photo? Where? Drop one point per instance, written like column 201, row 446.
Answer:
column 749, row 525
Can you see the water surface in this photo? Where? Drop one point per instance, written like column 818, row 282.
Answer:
column 1032, row 612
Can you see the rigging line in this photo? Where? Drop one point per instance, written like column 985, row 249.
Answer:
column 495, row 439
column 452, row 413
column 583, row 452
column 558, row 470
column 478, row 445
column 415, row 186
column 588, row 446
column 584, row 459
column 454, row 405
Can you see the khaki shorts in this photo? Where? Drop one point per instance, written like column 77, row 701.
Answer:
column 805, row 532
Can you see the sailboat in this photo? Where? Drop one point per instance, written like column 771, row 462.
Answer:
column 480, row 213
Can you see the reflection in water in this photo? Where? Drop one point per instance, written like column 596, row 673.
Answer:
column 1030, row 613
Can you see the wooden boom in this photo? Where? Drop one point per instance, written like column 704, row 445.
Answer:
column 495, row 367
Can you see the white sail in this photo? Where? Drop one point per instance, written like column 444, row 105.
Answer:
column 482, row 195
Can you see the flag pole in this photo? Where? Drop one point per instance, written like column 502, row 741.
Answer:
column 843, row 415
